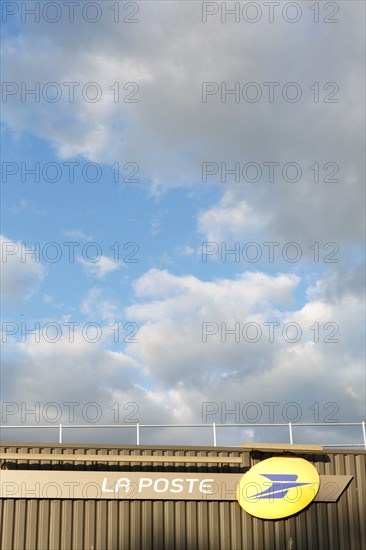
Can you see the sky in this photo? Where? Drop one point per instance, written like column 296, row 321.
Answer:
column 183, row 219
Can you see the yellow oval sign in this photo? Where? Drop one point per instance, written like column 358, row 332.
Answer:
column 278, row 487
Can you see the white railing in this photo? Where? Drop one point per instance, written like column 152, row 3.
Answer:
column 214, row 427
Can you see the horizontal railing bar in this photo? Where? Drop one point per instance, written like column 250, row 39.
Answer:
column 137, row 426
column 293, row 424
column 344, row 445
column 129, row 426
column 122, row 458
column 72, row 426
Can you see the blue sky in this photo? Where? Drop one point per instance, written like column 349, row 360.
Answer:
column 168, row 293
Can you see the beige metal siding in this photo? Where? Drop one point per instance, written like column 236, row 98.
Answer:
column 36, row 524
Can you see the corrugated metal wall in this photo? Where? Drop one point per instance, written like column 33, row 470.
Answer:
column 30, row 524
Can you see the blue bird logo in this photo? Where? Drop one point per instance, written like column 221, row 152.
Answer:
column 281, row 484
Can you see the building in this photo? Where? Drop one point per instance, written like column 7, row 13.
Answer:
column 99, row 497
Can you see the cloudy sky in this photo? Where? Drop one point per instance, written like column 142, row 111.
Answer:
column 183, row 217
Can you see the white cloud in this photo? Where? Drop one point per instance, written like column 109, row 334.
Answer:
column 97, row 306
column 78, row 234
column 102, row 267
column 24, row 206
column 172, row 309
column 21, row 272
column 170, row 131
column 170, row 373
column 186, row 251
column 231, row 219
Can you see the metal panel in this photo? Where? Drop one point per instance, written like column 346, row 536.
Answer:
column 36, row 524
